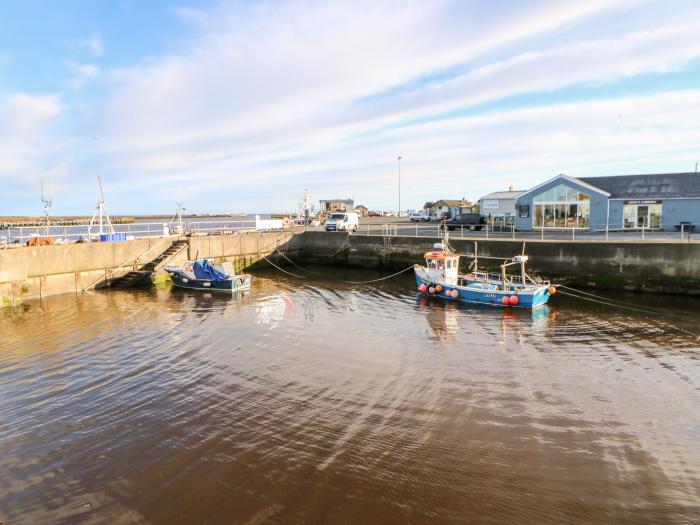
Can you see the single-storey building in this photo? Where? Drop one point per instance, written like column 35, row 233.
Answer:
column 499, row 207
column 362, row 210
column 445, row 207
column 623, row 202
column 341, row 205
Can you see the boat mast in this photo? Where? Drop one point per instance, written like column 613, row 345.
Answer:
column 47, row 201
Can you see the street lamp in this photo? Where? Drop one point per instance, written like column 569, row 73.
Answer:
column 399, row 160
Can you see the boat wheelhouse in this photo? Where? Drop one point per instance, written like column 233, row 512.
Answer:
column 441, row 277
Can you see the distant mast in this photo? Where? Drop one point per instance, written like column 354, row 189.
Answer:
column 304, row 207
column 101, row 214
column 47, row 201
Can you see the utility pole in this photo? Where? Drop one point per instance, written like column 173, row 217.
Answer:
column 399, row 210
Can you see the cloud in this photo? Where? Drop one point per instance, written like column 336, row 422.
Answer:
column 267, row 98
column 81, row 74
column 21, row 114
column 95, row 44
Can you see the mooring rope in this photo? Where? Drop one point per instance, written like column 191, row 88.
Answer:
column 381, row 278
column 295, row 264
column 611, row 301
column 283, row 270
column 606, row 302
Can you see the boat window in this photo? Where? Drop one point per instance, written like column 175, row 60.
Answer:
column 440, row 265
column 432, row 264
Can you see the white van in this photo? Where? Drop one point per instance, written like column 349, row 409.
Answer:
column 339, row 222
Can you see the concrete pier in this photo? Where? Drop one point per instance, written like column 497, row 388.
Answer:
column 663, row 267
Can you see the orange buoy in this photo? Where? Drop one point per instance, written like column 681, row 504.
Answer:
column 505, row 300
column 438, row 288
column 514, row 299
column 552, row 290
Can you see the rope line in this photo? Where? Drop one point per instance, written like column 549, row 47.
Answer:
column 381, row 278
column 606, row 302
column 283, row 270
column 611, row 301
column 295, row 264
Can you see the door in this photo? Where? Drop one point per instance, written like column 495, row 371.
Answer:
column 642, row 216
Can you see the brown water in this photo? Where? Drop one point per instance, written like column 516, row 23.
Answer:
column 322, row 402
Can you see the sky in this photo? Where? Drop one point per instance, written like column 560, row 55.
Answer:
column 241, row 105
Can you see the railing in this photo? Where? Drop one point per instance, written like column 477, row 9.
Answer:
column 665, row 233
column 67, row 234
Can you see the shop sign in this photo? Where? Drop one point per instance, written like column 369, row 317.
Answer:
column 643, row 201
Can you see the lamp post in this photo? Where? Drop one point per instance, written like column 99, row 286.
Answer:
column 399, row 160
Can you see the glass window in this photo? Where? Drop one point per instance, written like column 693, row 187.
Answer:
column 571, row 195
column 629, row 216
column 583, row 196
column 559, row 215
column 655, row 216
column 549, row 216
column 550, row 195
column 539, row 215
column 560, row 193
column 583, row 214
column 524, row 210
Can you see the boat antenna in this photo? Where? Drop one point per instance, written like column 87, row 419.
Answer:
column 47, row 201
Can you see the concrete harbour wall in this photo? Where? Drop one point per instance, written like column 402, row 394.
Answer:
column 33, row 272
column 666, row 267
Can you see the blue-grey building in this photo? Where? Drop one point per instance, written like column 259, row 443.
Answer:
column 622, row 202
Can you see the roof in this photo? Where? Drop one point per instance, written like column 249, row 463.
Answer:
column 428, row 204
column 656, row 186
column 451, row 202
column 335, row 200
column 502, row 195
column 574, row 180
column 361, row 206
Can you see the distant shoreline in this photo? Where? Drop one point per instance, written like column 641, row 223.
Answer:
column 8, row 221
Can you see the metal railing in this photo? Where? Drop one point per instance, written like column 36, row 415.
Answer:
column 665, row 232
column 66, row 234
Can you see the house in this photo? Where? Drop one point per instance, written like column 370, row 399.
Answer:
column 342, row 205
column 446, row 207
column 362, row 210
column 499, row 207
column 662, row 201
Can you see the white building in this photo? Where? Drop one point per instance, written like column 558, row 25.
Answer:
column 499, row 207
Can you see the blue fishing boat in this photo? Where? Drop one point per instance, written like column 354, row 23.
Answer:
column 440, row 277
column 203, row 275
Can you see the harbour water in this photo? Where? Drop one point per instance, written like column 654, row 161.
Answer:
column 317, row 401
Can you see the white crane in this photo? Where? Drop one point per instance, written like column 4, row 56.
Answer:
column 101, row 214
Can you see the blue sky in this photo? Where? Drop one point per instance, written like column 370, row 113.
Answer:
column 242, row 105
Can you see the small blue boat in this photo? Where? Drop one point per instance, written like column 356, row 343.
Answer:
column 201, row 274
column 440, row 277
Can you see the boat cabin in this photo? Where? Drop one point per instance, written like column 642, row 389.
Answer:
column 442, row 266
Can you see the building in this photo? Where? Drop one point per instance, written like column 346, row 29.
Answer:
column 499, row 207
column 342, row 205
column 445, row 207
column 624, row 202
column 362, row 210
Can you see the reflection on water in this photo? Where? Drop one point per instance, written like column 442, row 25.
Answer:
column 324, row 402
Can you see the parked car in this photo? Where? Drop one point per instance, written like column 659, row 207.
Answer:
column 472, row 221
column 374, row 214
column 420, row 217
column 343, row 222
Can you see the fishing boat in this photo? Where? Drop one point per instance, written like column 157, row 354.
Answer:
column 440, row 277
column 201, row 274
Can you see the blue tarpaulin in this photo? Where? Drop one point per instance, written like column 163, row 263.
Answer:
column 203, row 269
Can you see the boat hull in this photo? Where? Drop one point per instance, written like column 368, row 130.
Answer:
column 235, row 283
column 489, row 296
